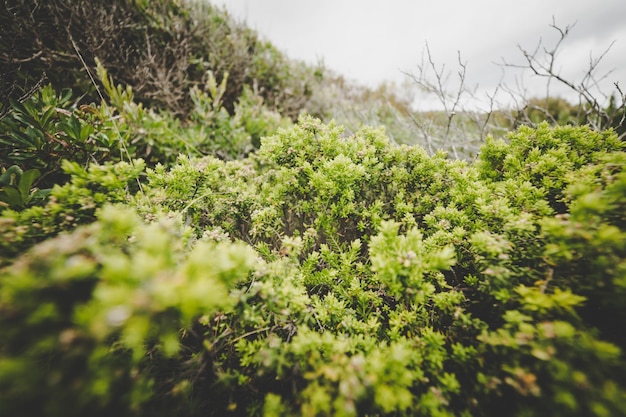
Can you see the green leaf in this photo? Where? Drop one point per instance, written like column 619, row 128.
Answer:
column 11, row 196
column 40, row 194
column 26, row 182
column 9, row 176
column 47, row 118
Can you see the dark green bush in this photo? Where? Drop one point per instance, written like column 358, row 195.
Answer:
column 160, row 48
column 16, row 188
column 47, row 128
column 39, row 133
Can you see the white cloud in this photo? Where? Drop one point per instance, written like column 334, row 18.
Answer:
column 371, row 40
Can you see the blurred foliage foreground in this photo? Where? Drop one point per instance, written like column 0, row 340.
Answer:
column 146, row 271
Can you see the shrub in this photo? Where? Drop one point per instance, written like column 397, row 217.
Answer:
column 547, row 157
column 334, row 275
column 68, row 205
column 160, row 48
column 93, row 318
column 47, row 128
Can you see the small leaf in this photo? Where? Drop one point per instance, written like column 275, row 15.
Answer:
column 40, row 194
column 26, row 182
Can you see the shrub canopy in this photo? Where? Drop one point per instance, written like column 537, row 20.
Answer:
column 325, row 275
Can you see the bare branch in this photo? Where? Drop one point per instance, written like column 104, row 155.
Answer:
column 542, row 62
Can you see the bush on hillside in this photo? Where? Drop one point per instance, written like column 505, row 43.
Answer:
column 47, row 128
column 160, row 48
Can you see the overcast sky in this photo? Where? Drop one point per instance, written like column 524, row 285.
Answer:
column 374, row 40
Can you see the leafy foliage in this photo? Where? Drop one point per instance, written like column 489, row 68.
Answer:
column 327, row 275
column 106, row 316
column 68, row 205
column 38, row 133
column 160, row 48
column 15, row 187
column 184, row 248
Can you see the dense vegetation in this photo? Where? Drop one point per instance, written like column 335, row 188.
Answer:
column 162, row 48
column 212, row 255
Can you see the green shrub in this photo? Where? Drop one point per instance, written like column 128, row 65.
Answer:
column 307, row 177
column 68, row 205
column 157, row 137
column 546, row 156
column 94, row 318
column 364, row 279
column 47, row 128
column 330, row 193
